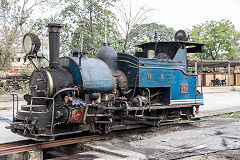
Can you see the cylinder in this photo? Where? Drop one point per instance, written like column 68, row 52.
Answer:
column 54, row 45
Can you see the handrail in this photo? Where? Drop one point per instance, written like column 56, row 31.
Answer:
column 14, row 94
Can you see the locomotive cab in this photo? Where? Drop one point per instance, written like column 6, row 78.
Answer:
column 159, row 69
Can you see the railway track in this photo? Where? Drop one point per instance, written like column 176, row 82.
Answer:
column 26, row 145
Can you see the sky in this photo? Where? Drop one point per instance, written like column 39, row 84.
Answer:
column 183, row 14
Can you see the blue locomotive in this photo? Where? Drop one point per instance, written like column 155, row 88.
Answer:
column 113, row 91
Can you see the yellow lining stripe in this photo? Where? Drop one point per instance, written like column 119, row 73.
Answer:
column 50, row 83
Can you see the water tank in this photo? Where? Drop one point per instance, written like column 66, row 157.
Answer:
column 90, row 74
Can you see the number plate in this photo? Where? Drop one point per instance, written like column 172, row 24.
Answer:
column 184, row 89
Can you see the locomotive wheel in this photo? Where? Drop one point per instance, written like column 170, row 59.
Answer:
column 189, row 113
column 189, row 116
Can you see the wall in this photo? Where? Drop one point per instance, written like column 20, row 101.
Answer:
column 207, row 77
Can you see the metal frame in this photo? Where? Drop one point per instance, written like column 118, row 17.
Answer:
column 53, row 110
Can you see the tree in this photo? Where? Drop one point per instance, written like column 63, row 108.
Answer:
column 146, row 32
column 220, row 37
column 86, row 18
column 130, row 20
column 14, row 21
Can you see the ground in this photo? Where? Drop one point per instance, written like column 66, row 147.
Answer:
column 171, row 142
column 217, row 136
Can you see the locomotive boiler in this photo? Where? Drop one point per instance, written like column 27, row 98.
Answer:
column 113, row 91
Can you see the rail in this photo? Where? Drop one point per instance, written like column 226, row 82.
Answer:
column 22, row 146
column 26, row 145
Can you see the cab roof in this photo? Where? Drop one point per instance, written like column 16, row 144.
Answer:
column 196, row 47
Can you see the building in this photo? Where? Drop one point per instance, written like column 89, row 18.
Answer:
column 222, row 70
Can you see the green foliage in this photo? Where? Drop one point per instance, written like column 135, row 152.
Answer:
column 15, row 21
column 4, row 58
column 145, row 33
column 87, row 17
column 221, row 39
column 76, row 16
column 22, row 87
column 235, row 89
column 28, row 71
column 3, row 90
column 224, row 115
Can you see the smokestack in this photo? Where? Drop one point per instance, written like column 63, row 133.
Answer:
column 54, row 35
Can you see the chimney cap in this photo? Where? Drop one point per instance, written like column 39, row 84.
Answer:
column 54, row 25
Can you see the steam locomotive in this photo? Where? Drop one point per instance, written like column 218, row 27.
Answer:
column 113, row 91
